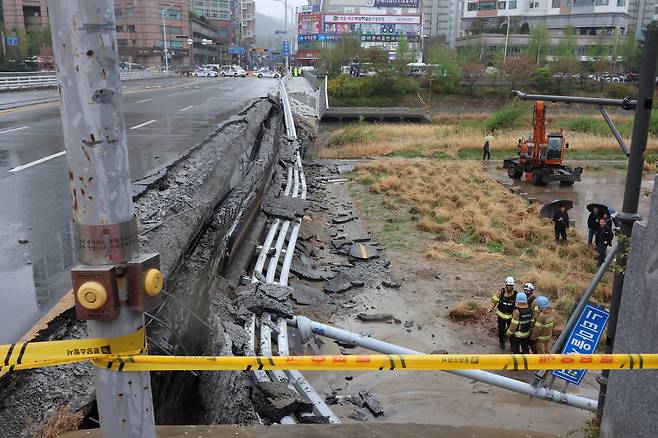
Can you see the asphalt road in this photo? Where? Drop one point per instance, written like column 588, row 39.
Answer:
column 164, row 118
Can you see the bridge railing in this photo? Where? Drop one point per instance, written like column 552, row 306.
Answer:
column 29, row 80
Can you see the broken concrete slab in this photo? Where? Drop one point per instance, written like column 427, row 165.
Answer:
column 344, row 168
column 258, row 303
column 363, row 251
column 391, row 284
column 275, row 400
column 308, row 295
column 302, row 268
column 372, row 403
column 342, row 283
column 358, row 415
column 278, row 292
column 343, row 219
column 285, row 207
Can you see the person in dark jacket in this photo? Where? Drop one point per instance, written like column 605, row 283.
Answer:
column 593, row 224
column 486, row 154
column 561, row 221
column 603, row 239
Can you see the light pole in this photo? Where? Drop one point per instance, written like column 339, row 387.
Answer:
column 164, row 37
column 506, row 40
column 285, row 27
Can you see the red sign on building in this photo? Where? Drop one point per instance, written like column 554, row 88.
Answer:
column 309, row 24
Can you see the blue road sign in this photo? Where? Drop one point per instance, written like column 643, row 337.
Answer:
column 583, row 339
column 286, row 48
column 12, row 40
column 280, row 32
column 236, row 51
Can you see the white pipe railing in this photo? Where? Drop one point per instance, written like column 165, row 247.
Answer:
column 18, row 81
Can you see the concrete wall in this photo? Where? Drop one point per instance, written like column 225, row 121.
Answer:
column 632, row 398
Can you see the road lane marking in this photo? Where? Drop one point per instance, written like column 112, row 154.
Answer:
column 144, row 100
column 34, row 163
column 141, row 125
column 13, row 129
column 186, row 108
column 211, row 98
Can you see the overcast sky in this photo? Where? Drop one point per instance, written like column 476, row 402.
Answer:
column 274, row 8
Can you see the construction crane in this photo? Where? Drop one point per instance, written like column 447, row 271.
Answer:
column 541, row 156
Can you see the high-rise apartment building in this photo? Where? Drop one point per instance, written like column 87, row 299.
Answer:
column 213, row 9
column 244, row 22
column 23, row 14
column 441, row 19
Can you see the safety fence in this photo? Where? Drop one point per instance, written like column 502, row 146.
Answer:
column 29, row 80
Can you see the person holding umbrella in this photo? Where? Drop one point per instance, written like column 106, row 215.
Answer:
column 603, row 239
column 561, row 221
column 593, row 222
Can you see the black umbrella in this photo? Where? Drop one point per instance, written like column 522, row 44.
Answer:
column 602, row 208
column 549, row 209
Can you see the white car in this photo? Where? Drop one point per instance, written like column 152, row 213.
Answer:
column 267, row 73
column 238, row 72
column 205, row 73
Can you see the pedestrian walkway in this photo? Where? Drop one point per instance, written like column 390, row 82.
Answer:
column 299, row 85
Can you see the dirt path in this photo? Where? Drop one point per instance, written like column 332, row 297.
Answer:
column 427, row 291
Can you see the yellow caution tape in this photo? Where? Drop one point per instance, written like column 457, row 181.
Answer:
column 428, row 362
column 26, row 355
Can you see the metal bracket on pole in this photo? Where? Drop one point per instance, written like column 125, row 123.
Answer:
column 626, row 103
column 614, row 130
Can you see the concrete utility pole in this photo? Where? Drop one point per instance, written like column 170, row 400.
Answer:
column 164, row 37
column 629, row 214
column 110, row 282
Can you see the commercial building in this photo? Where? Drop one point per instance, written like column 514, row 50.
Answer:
column 209, row 44
column 244, row 22
column 139, row 27
column 374, row 23
column 213, row 9
column 441, row 20
column 588, row 17
column 23, row 14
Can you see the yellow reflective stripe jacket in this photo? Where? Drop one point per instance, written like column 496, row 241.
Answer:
column 543, row 328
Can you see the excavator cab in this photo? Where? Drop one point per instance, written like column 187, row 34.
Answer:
column 554, row 149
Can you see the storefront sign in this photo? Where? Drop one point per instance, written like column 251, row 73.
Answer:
column 379, row 19
column 396, row 3
column 388, row 38
column 309, row 24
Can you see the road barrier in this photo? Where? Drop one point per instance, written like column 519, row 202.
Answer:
column 18, row 81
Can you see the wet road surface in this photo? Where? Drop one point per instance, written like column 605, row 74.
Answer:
column 605, row 186
column 162, row 122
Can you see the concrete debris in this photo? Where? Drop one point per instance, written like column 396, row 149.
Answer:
column 390, row 284
column 275, row 400
column 308, row 295
column 257, row 302
column 343, row 219
column 280, row 293
column 372, row 403
column 342, row 283
column 302, row 268
column 363, row 251
column 23, row 241
column 344, row 168
column 313, row 419
column 285, row 207
column 378, row 317
column 358, row 415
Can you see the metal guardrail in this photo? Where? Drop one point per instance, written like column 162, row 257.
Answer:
column 29, row 80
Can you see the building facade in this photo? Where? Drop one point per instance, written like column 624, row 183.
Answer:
column 244, row 22
column 588, row 17
column 23, row 14
column 441, row 20
column 139, row 26
column 213, row 9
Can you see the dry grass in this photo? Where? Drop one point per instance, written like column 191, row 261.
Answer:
column 468, row 216
column 64, row 419
column 468, row 311
column 444, row 140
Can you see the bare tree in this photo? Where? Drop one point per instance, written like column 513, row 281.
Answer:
column 517, row 70
column 471, row 73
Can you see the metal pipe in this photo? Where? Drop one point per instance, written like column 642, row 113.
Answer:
column 614, row 130
column 294, row 234
column 266, row 350
column 307, row 327
column 629, row 214
column 274, row 260
column 250, row 348
column 575, row 314
column 265, row 249
column 84, row 44
column 626, row 103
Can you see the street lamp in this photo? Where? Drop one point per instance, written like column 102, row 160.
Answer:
column 285, row 27
column 506, row 38
column 164, row 37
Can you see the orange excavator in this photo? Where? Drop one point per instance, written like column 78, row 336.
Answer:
column 541, row 156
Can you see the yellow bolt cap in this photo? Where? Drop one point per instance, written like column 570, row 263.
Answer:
column 92, row 295
column 153, row 282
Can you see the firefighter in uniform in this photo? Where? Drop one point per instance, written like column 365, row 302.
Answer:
column 529, row 290
column 503, row 302
column 519, row 328
column 542, row 331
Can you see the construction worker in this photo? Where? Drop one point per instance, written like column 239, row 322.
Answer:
column 520, row 325
column 542, row 331
column 503, row 302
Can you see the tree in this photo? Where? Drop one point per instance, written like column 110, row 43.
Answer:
column 630, row 52
column 567, row 45
column 375, row 56
column 601, row 68
column 446, row 75
column 403, row 55
column 517, row 70
column 537, row 43
column 563, row 68
column 341, row 54
column 471, row 73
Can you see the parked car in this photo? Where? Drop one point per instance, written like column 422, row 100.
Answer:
column 224, row 70
column 205, row 73
column 267, row 73
column 185, row 70
column 238, row 72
